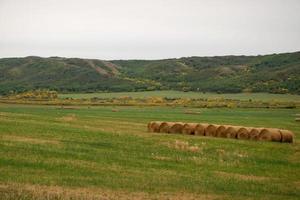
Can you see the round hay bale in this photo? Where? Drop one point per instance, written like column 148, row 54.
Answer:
column 270, row 134
column 297, row 119
column 286, row 136
column 276, row 135
column 165, row 127
column 231, row 131
column 265, row 134
column 176, row 128
column 243, row 133
column 254, row 133
column 221, row 130
column 154, row 127
column 149, row 126
column 223, row 133
column 189, row 128
column 211, row 130
column 200, row 129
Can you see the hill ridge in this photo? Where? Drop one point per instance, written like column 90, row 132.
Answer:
column 274, row 73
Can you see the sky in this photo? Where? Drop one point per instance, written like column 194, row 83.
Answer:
column 148, row 29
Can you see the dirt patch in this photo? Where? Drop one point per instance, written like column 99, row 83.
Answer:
column 241, row 176
column 28, row 140
column 38, row 192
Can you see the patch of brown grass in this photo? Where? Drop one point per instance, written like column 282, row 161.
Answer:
column 241, row 176
column 155, row 157
column 192, row 112
column 28, row 139
column 40, row 192
column 297, row 184
column 3, row 114
column 68, row 118
column 185, row 146
column 8, row 114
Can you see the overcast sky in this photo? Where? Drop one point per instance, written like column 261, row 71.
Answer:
column 149, row 29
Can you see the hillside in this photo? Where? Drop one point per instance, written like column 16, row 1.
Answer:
column 276, row 73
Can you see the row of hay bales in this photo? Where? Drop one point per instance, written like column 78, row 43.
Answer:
column 224, row 131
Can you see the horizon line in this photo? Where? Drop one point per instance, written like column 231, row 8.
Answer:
column 168, row 58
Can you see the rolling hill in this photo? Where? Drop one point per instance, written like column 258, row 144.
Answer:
column 276, row 73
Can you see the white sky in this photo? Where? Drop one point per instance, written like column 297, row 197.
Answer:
column 149, row 29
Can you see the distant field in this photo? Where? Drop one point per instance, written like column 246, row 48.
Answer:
column 179, row 94
column 50, row 152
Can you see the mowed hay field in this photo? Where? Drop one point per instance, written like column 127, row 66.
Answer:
column 179, row 94
column 49, row 152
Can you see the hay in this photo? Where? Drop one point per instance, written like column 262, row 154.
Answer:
column 176, row 128
column 211, row 130
column 225, row 131
column 189, row 128
column 149, row 126
column 221, row 131
column 200, row 129
column 243, row 133
column 286, row 136
column 276, row 135
column 254, row 133
column 191, row 112
column 165, row 127
column 297, row 119
column 69, row 118
column 270, row 134
column 155, row 126
column 231, row 131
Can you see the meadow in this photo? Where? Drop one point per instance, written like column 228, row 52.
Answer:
column 180, row 94
column 94, row 152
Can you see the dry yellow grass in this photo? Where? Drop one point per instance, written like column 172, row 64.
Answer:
column 42, row 192
column 184, row 145
column 30, row 140
column 241, row 176
column 68, row 118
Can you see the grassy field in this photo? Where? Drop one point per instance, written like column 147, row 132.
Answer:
column 49, row 152
column 179, row 94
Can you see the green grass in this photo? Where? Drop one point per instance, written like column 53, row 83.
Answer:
column 93, row 147
column 178, row 94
